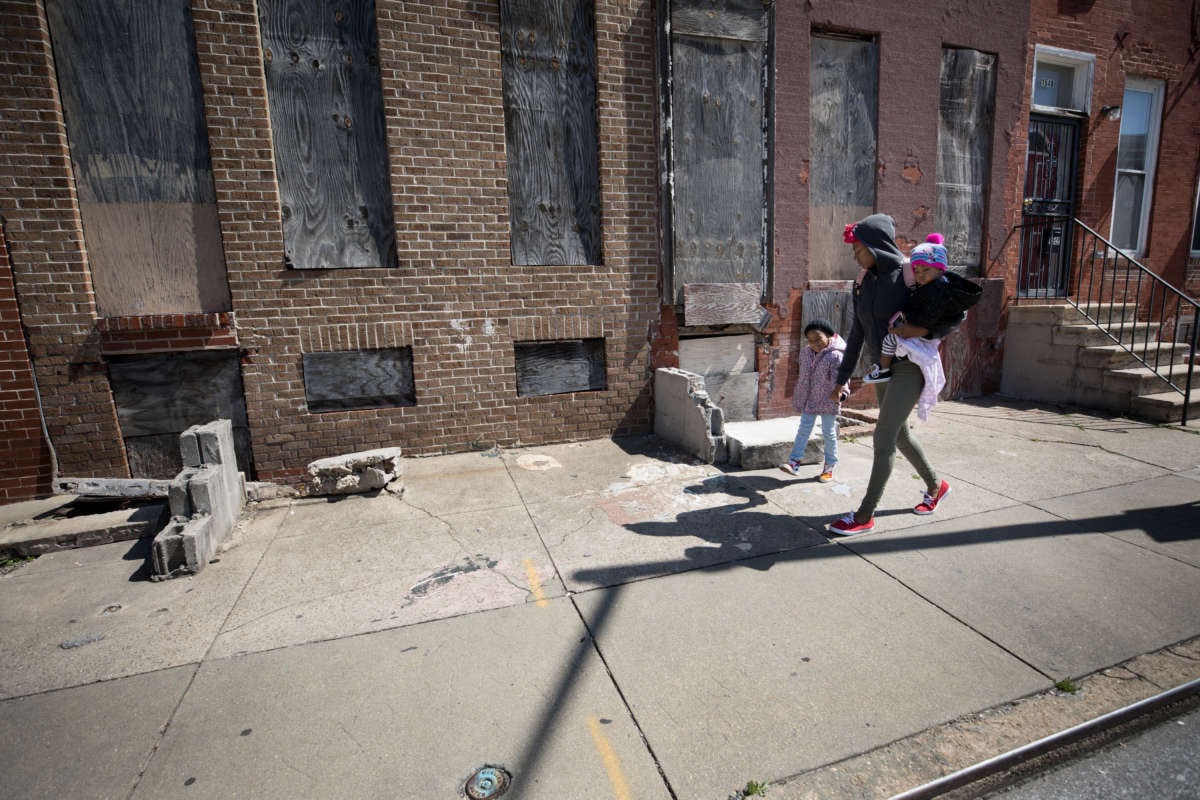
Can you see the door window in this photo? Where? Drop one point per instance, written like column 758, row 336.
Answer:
column 1141, row 112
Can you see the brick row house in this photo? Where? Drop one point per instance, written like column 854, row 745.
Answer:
column 448, row 225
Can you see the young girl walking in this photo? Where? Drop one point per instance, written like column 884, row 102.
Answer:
column 819, row 364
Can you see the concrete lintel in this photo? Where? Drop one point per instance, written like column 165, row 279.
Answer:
column 112, row 487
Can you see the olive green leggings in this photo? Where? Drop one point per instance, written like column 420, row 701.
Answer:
column 897, row 398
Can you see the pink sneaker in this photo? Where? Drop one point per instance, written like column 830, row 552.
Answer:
column 846, row 526
column 929, row 504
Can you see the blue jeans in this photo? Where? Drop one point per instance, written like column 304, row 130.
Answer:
column 828, row 435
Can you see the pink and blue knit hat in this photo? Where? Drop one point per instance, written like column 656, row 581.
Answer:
column 931, row 253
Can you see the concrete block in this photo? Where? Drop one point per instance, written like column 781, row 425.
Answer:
column 206, row 500
column 112, row 487
column 354, row 473
column 767, row 443
column 685, row 416
column 735, row 394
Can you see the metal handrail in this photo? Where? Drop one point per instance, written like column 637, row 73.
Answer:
column 1091, row 260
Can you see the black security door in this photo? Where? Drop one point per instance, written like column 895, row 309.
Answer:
column 1049, row 206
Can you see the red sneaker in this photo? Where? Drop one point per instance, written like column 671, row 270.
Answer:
column 846, row 526
column 930, row 502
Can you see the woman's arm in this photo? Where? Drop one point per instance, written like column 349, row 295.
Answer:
column 908, row 331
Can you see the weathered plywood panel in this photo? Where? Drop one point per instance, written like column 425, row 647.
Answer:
column 327, row 125
column 965, row 119
column 724, row 19
column 842, row 136
column 160, row 396
column 717, row 156
column 359, row 379
column 146, row 266
column 717, row 355
column 569, row 365
column 548, row 57
column 133, row 108
column 721, row 303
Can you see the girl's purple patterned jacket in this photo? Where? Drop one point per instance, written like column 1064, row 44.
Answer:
column 818, row 378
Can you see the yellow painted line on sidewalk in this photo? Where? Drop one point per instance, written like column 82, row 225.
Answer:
column 615, row 776
column 534, row 584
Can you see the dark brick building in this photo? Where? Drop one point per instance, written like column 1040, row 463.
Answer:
column 453, row 224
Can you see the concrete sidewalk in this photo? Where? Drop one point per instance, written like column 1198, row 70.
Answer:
column 614, row 620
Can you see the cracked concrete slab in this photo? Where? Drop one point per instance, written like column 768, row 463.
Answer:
column 1062, row 597
column 639, row 531
column 331, row 582
column 463, row 482
column 411, row 712
column 1160, row 514
column 783, row 663
column 97, row 736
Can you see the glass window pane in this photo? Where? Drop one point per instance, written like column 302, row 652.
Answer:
column 1135, row 129
column 1127, row 211
column 1053, row 85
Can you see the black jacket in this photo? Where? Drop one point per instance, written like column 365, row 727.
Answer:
column 880, row 295
column 941, row 306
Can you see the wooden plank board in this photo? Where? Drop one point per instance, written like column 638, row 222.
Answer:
column 170, row 392
column 570, row 365
column 327, row 125
column 965, row 120
column 548, row 58
column 746, row 20
column 717, row 150
column 359, row 379
column 721, row 303
column 844, row 110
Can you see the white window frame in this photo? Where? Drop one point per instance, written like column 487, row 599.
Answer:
column 1084, row 65
column 1156, row 88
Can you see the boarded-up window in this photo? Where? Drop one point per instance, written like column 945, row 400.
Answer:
column 968, row 91
column 327, row 125
column 549, row 64
column 132, row 103
column 160, row 396
column 717, row 124
column 842, row 137
column 569, row 365
column 359, row 379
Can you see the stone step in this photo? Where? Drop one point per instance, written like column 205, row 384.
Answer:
column 1085, row 334
column 1114, row 356
column 1166, row 407
column 1139, row 380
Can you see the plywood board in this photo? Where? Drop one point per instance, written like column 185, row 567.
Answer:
column 572, row 365
column 967, row 109
column 721, row 303
column 737, row 395
column 327, row 125
column 359, row 379
column 844, row 110
column 548, row 57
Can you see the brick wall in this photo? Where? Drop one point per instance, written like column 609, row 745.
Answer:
column 25, row 465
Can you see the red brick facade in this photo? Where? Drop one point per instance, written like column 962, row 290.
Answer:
column 455, row 297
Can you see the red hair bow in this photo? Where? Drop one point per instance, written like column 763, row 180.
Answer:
column 848, row 234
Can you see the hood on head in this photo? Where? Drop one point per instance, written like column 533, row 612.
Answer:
column 878, row 233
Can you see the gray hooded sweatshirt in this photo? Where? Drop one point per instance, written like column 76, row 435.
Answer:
column 881, row 294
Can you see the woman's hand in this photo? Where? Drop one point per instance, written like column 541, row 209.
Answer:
column 839, row 394
column 906, row 331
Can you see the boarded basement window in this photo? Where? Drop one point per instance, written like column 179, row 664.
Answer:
column 160, row 396
column 359, row 379
column 967, row 107
column 131, row 97
column 549, row 63
column 842, row 131
column 569, row 365
column 327, row 125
